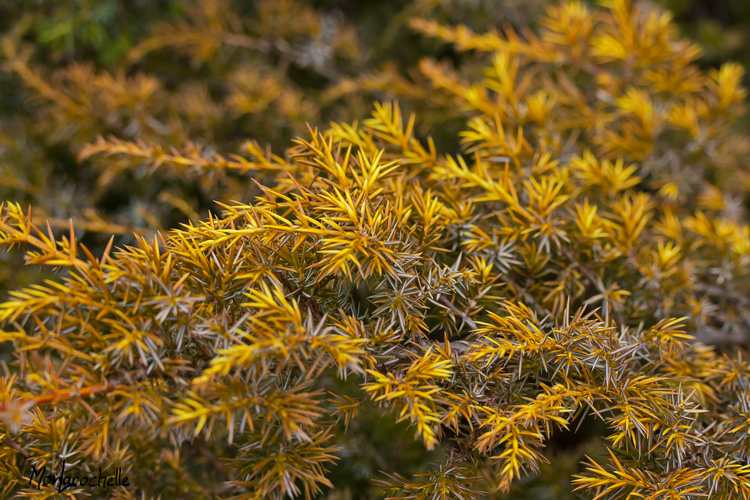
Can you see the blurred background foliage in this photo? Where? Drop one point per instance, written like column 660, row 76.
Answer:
column 220, row 72
column 206, row 76
column 217, row 73
column 722, row 27
column 167, row 72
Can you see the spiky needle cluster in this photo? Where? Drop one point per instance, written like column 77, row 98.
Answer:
column 491, row 300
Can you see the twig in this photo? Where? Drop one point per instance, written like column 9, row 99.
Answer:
column 723, row 293
column 16, row 446
column 527, row 297
column 53, row 397
column 465, row 317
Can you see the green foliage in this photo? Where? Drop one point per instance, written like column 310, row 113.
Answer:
column 370, row 313
column 720, row 27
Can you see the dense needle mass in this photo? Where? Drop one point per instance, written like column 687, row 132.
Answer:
column 553, row 273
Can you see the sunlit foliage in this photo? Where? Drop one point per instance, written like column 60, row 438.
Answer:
column 546, row 281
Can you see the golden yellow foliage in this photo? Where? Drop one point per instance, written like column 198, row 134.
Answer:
column 554, row 273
